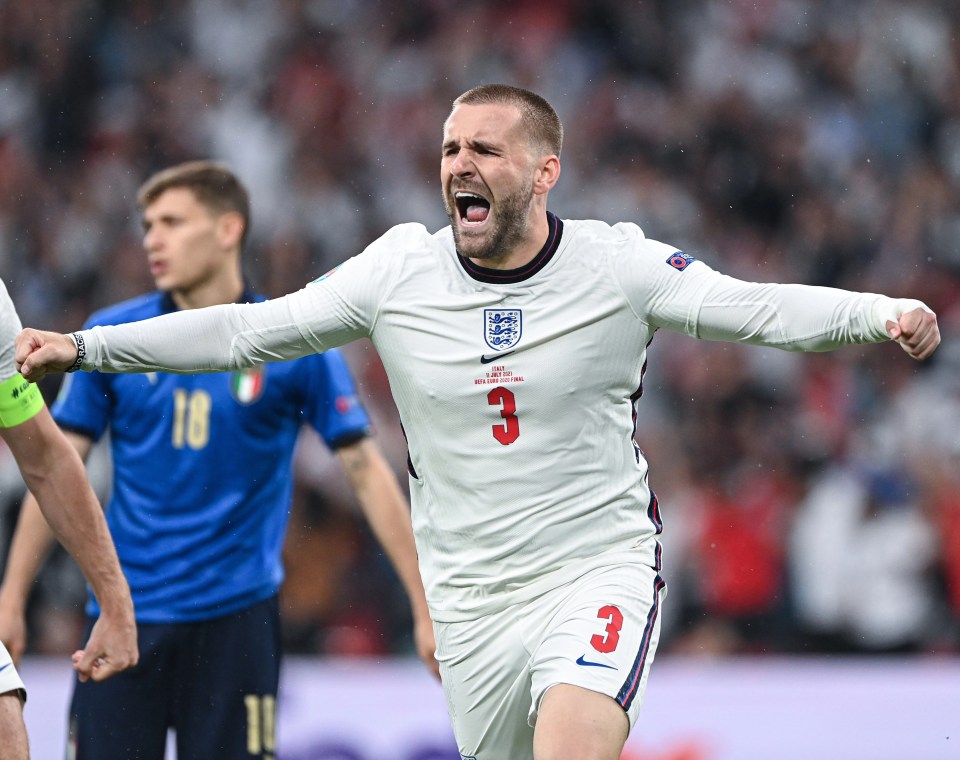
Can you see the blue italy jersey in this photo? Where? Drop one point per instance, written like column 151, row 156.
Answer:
column 203, row 468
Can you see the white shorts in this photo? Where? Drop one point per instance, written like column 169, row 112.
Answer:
column 599, row 632
column 9, row 678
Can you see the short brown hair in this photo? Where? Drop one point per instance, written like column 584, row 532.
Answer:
column 537, row 115
column 213, row 184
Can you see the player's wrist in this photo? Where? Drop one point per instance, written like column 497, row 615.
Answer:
column 81, row 346
column 115, row 603
column 886, row 309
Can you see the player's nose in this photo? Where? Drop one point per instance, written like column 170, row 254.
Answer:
column 151, row 240
column 462, row 164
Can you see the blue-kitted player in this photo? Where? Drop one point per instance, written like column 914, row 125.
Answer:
column 201, row 493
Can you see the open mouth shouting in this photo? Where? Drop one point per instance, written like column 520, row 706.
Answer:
column 472, row 209
column 479, row 232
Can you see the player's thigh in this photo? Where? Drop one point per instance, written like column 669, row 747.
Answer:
column 13, row 731
column 227, row 682
column 484, row 669
column 578, row 724
column 127, row 716
column 602, row 636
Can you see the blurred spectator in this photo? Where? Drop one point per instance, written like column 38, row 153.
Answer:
column 889, row 601
column 863, row 557
column 806, row 140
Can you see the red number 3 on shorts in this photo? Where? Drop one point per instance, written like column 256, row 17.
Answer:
column 608, row 642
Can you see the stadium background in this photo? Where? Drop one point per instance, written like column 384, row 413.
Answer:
column 811, row 503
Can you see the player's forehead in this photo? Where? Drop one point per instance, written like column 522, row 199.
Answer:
column 485, row 122
column 177, row 200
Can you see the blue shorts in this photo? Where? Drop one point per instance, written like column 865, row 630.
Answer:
column 214, row 682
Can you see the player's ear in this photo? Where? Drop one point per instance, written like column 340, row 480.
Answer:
column 230, row 228
column 546, row 175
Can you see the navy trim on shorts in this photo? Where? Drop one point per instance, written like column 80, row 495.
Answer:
column 629, row 689
column 653, row 513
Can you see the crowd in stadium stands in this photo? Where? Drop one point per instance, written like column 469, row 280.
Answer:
column 811, row 502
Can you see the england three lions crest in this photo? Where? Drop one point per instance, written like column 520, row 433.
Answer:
column 502, row 327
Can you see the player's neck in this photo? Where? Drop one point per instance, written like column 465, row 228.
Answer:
column 217, row 290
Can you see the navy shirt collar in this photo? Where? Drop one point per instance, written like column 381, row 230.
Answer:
column 168, row 305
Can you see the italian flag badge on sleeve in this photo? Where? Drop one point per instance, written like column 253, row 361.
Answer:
column 247, row 385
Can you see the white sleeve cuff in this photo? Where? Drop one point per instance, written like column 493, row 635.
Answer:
column 891, row 309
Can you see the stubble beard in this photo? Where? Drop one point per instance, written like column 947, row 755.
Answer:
column 508, row 231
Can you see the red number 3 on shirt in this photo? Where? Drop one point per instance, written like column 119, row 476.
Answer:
column 609, row 640
column 509, row 431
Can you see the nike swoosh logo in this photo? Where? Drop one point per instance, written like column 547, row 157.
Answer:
column 6, row 666
column 581, row 661
column 488, row 359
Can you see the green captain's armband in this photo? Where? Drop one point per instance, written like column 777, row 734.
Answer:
column 19, row 401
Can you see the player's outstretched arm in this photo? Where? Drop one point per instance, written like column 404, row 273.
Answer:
column 54, row 473
column 387, row 513
column 917, row 333
column 217, row 338
column 792, row 317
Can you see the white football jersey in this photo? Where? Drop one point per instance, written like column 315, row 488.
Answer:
column 516, row 389
column 9, row 329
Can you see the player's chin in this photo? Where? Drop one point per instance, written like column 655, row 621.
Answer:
column 473, row 245
column 165, row 282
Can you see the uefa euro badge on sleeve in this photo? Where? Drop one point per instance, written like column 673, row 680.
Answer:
column 680, row 260
column 502, row 328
